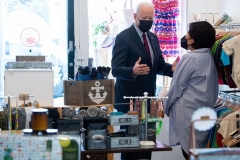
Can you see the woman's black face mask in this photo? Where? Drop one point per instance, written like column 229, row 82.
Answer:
column 184, row 42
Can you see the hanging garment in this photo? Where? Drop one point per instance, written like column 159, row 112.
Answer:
column 160, row 109
column 166, row 26
column 131, row 105
column 234, row 44
column 143, row 115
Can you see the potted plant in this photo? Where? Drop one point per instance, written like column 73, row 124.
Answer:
column 101, row 28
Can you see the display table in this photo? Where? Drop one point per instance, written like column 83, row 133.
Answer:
column 22, row 147
column 59, row 104
column 158, row 147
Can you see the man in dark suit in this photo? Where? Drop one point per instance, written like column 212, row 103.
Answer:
column 137, row 59
column 135, row 70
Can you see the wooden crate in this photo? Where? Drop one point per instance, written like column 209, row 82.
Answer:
column 86, row 93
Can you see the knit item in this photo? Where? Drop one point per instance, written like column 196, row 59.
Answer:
column 167, row 26
column 69, row 112
column 92, row 111
column 3, row 120
column 143, row 115
column 82, row 113
column 154, row 109
column 102, row 114
column 21, row 118
column 76, row 117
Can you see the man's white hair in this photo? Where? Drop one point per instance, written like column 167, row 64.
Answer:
column 147, row 4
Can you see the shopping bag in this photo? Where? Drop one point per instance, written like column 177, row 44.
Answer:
column 127, row 16
column 108, row 41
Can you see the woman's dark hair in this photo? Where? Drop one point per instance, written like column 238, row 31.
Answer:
column 203, row 34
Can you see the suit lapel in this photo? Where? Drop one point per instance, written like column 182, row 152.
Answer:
column 136, row 39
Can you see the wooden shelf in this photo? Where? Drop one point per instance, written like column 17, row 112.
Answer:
column 158, row 147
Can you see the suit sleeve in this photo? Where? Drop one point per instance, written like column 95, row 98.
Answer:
column 119, row 60
column 163, row 68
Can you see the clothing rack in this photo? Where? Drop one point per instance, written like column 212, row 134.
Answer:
column 219, row 152
column 230, row 91
column 233, row 97
column 145, row 97
column 198, row 153
column 223, row 56
column 230, row 27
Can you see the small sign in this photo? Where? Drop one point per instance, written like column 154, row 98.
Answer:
column 124, row 120
column 125, row 142
column 30, row 37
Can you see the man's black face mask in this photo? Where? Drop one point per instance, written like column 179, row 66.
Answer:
column 145, row 25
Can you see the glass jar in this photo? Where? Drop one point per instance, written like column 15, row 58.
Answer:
column 39, row 119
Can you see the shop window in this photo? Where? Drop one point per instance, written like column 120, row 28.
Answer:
column 47, row 20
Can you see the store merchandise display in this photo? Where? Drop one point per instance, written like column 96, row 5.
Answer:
column 18, row 147
column 144, row 117
column 84, row 73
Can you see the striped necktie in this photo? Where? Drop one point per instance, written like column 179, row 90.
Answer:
column 146, row 46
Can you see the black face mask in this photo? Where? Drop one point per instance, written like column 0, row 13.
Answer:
column 184, row 42
column 145, row 25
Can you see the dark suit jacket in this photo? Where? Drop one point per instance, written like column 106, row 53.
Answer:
column 127, row 49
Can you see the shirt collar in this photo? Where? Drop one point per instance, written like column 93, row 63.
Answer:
column 201, row 50
column 140, row 33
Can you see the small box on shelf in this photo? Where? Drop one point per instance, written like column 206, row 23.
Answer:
column 124, row 142
column 97, row 139
column 125, row 119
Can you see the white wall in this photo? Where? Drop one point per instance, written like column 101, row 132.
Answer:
column 231, row 7
column 204, row 6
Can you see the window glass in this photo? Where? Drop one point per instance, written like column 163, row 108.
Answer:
column 35, row 27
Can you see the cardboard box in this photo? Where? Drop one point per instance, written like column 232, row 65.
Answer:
column 86, row 93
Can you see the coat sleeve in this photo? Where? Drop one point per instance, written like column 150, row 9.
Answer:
column 184, row 71
column 119, row 60
column 163, row 68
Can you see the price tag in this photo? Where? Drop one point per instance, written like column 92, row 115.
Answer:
column 125, row 142
column 124, row 120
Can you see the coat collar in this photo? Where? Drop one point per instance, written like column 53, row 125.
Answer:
column 201, row 50
column 136, row 34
